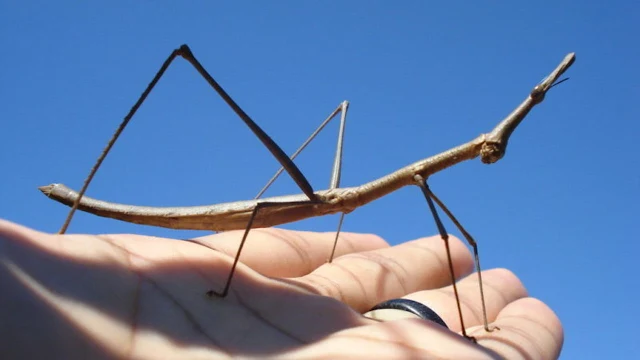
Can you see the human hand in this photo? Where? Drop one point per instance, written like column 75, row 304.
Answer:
column 131, row 296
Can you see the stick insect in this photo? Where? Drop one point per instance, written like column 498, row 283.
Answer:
column 258, row 213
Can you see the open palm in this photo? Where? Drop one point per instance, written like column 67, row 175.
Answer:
column 130, row 296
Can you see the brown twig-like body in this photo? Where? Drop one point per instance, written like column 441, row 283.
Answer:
column 235, row 215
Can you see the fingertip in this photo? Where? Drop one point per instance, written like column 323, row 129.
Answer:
column 537, row 311
column 527, row 325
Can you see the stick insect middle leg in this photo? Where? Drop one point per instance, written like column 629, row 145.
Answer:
column 336, row 171
column 254, row 214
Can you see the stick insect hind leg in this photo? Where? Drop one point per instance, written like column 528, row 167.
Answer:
column 431, row 197
column 186, row 53
column 333, row 184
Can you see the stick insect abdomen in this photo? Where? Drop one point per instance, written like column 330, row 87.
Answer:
column 219, row 217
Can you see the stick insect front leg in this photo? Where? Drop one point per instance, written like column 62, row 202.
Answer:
column 431, row 197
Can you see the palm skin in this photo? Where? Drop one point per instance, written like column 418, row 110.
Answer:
column 131, row 296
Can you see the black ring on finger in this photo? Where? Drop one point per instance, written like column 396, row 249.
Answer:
column 419, row 309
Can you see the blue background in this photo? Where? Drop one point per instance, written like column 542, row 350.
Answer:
column 560, row 210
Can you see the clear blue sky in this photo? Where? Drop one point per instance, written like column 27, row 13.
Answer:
column 560, row 210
